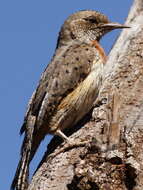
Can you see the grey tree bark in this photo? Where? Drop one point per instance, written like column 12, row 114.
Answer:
column 113, row 157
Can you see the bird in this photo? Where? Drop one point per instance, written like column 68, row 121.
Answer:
column 68, row 86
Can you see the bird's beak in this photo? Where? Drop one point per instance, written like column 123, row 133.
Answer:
column 114, row 25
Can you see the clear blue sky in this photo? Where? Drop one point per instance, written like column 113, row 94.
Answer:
column 28, row 34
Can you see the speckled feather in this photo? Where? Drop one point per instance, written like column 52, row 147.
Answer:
column 68, row 72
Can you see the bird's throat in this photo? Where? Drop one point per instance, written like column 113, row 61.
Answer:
column 96, row 44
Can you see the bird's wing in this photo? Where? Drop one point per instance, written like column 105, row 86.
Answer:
column 69, row 67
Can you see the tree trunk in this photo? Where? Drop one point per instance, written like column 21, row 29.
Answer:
column 113, row 157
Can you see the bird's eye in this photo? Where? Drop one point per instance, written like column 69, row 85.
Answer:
column 91, row 20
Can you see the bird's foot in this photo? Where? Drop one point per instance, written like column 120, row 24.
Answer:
column 69, row 144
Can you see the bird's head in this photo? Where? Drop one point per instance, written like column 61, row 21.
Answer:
column 86, row 26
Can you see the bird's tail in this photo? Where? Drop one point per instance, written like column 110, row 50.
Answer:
column 20, row 181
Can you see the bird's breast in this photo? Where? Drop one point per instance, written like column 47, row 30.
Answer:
column 79, row 102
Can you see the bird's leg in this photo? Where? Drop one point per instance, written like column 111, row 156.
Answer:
column 62, row 135
column 69, row 140
column 69, row 145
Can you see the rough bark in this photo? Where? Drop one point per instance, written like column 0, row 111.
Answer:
column 113, row 158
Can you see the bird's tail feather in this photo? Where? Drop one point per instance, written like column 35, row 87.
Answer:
column 20, row 181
